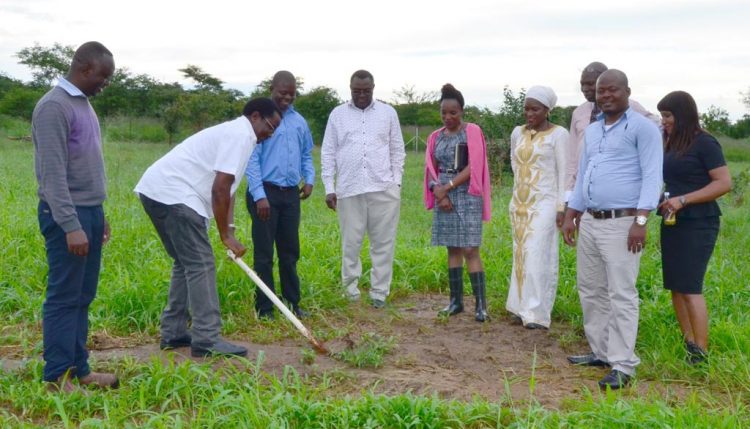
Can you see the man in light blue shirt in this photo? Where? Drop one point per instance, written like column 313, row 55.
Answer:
column 618, row 184
column 274, row 174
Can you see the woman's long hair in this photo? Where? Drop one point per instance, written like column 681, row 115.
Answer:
column 686, row 122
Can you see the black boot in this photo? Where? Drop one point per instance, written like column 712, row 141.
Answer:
column 478, row 286
column 456, row 283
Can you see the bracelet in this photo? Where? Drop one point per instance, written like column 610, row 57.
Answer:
column 683, row 200
column 451, row 183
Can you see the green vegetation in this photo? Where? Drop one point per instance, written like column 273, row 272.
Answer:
column 369, row 352
column 193, row 394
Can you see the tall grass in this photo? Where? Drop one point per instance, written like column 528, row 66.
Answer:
column 133, row 290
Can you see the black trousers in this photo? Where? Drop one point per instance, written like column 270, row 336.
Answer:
column 281, row 229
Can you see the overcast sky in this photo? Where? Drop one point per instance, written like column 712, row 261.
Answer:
column 478, row 45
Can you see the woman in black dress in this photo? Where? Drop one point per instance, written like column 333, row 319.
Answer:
column 695, row 175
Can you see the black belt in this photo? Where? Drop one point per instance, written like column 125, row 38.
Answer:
column 448, row 170
column 611, row 213
column 279, row 188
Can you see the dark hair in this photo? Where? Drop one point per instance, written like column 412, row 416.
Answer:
column 448, row 92
column 686, row 122
column 88, row 53
column 265, row 106
column 362, row 74
column 283, row 76
column 595, row 67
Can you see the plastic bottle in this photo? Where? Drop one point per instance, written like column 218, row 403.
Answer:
column 669, row 218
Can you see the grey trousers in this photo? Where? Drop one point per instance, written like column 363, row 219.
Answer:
column 192, row 288
column 606, row 278
column 374, row 213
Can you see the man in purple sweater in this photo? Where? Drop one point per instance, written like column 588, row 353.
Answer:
column 72, row 187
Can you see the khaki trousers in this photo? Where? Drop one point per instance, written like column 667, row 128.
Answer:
column 607, row 273
column 374, row 213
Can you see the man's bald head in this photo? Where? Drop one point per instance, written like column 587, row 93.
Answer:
column 87, row 54
column 589, row 75
column 92, row 68
column 616, row 76
column 612, row 94
column 283, row 89
column 595, row 67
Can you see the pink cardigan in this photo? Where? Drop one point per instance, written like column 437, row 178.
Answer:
column 479, row 183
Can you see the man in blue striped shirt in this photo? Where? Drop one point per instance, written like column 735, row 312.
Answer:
column 274, row 174
column 618, row 183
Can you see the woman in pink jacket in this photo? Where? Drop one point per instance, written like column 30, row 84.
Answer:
column 457, row 190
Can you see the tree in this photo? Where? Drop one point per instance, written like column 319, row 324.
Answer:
column 46, row 63
column 746, row 98
column 716, row 120
column 204, row 80
column 561, row 115
column 415, row 108
column 408, row 95
column 316, row 106
column 7, row 83
column 20, row 101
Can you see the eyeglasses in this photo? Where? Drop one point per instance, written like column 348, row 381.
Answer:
column 270, row 124
column 357, row 92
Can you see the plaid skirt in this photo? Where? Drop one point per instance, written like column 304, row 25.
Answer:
column 462, row 226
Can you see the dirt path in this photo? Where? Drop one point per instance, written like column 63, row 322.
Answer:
column 456, row 358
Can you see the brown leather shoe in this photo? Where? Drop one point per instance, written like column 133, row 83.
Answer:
column 63, row 384
column 100, row 379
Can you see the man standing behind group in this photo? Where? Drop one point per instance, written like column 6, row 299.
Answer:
column 274, row 173
column 364, row 150
column 72, row 187
column 586, row 114
column 618, row 184
column 180, row 192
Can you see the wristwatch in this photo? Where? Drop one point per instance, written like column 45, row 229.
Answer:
column 641, row 220
column 682, row 200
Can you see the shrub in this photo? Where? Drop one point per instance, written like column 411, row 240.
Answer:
column 20, row 102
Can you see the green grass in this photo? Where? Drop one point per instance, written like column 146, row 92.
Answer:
column 133, row 288
column 369, row 352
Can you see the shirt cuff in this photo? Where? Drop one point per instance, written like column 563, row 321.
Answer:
column 258, row 193
column 70, row 225
column 568, row 194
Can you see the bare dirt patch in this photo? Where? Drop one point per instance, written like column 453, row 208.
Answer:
column 455, row 358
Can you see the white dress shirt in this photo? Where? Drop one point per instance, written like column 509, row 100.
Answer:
column 363, row 150
column 185, row 175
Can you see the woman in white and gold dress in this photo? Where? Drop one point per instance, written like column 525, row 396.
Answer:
column 538, row 152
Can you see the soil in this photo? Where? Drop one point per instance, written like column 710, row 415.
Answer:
column 455, row 358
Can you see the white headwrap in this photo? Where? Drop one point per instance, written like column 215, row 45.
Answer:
column 543, row 94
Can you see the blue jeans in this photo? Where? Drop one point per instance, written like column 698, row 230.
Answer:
column 71, row 286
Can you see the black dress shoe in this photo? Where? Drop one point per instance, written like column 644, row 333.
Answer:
column 300, row 313
column 219, row 348
column 533, row 325
column 515, row 319
column 175, row 343
column 615, row 380
column 587, row 360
